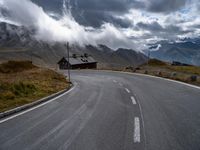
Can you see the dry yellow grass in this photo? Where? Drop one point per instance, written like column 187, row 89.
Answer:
column 186, row 69
column 27, row 84
column 166, row 70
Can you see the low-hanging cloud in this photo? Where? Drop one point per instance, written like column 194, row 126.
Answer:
column 28, row 14
column 115, row 23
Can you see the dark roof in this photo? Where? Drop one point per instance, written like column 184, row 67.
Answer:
column 79, row 60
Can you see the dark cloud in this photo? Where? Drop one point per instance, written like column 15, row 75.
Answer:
column 95, row 12
column 117, row 6
column 176, row 29
column 157, row 30
column 103, row 5
column 123, row 23
column 96, row 19
column 154, row 26
column 50, row 5
column 165, row 5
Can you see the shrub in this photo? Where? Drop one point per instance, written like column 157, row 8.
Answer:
column 193, row 78
column 21, row 89
column 7, row 95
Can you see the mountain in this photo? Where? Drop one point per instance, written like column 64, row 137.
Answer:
column 185, row 51
column 14, row 36
column 19, row 43
column 115, row 58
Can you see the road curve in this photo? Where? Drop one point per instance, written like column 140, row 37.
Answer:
column 110, row 111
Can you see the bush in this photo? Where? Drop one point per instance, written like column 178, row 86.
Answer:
column 7, row 95
column 173, row 74
column 21, row 89
column 193, row 78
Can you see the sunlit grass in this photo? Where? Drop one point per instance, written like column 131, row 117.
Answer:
column 163, row 69
column 186, row 69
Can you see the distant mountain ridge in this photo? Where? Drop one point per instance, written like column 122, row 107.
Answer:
column 185, row 51
column 19, row 43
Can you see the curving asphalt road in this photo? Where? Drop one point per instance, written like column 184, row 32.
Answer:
column 110, row 111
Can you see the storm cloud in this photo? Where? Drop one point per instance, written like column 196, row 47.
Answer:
column 165, row 6
column 116, row 23
column 95, row 12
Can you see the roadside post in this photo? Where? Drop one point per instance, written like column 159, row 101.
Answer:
column 68, row 65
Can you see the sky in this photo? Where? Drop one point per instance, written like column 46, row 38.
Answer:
column 116, row 23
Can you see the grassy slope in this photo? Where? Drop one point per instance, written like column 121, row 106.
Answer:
column 162, row 69
column 22, row 83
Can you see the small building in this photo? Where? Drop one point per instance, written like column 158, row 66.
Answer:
column 78, row 62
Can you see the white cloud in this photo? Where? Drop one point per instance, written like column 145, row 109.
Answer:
column 52, row 27
column 28, row 14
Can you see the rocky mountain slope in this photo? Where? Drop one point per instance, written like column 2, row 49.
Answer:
column 186, row 51
column 19, row 43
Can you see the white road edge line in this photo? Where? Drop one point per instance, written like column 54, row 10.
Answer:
column 133, row 100
column 136, row 130
column 151, row 76
column 127, row 90
column 33, row 108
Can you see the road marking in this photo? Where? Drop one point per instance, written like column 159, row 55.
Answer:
column 26, row 111
column 143, row 125
column 127, row 90
column 133, row 100
column 114, row 81
column 136, row 137
column 120, row 84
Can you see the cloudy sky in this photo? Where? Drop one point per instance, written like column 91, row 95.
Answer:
column 116, row 23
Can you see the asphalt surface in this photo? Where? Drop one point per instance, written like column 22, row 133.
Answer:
column 110, row 111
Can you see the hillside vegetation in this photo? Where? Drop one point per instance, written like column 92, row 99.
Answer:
column 21, row 82
column 188, row 74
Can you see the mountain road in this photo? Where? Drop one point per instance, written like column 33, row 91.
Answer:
column 110, row 111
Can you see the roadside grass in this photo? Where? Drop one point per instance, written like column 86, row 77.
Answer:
column 186, row 69
column 155, row 62
column 166, row 70
column 16, row 66
column 22, row 83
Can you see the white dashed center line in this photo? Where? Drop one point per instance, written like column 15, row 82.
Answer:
column 120, row 84
column 127, row 90
column 136, row 136
column 114, row 81
column 133, row 100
